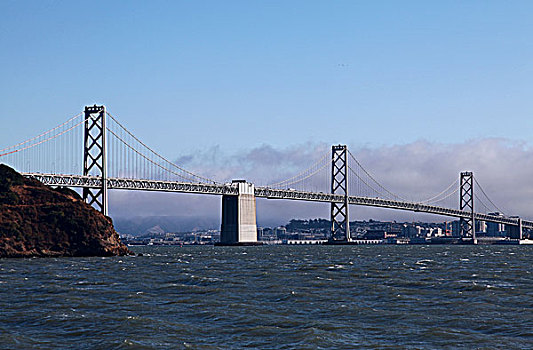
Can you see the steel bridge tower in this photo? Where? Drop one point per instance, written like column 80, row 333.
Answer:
column 340, row 222
column 466, row 203
column 94, row 156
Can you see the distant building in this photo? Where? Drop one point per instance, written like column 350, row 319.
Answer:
column 481, row 227
column 266, row 234
column 411, row 231
column 513, row 231
column 456, row 228
column 281, row 232
column 435, row 232
column 380, row 234
column 495, row 229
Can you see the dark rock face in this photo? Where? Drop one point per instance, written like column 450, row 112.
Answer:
column 36, row 220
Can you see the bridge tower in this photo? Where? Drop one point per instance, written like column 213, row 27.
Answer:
column 239, row 225
column 340, row 222
column 94, row 156
column 466, row 203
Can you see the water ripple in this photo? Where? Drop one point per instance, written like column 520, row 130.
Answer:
column 272, row 297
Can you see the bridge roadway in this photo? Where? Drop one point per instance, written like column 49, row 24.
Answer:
column 262, row 192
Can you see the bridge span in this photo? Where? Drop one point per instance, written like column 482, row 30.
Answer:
column 95, row 152
column 230, row 189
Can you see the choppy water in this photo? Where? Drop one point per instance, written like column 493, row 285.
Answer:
column 272, row 297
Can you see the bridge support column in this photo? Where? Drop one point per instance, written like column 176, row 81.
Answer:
column 466, row 203
column 94, row 156
column 340, row 221
column 239, row 224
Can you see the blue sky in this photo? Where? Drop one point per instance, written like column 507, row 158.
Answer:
column 185, row 75
column 434, row 84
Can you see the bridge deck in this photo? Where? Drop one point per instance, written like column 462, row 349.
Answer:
column 262, row 192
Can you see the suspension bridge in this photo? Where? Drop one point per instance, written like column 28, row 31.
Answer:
column 95, row 152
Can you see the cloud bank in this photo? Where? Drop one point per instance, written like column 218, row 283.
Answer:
column 415, row 170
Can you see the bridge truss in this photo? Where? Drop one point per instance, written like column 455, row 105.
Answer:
column 269, row 193
column 95, row 152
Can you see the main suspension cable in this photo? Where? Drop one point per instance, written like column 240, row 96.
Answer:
column 41, row 135
column 157, row 154
column 42, row 141
column 433, row 199
column 287, row 182
column 360, row 178
column 146, row 158
column 375, row 181
column 486, row 196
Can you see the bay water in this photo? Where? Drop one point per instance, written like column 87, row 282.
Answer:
column 272, row 297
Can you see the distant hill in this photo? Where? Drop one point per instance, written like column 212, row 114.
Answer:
column 140, row 225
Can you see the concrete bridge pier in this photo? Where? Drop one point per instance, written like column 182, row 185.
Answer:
column 239, row 225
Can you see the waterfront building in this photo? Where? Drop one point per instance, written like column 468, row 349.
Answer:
column 495, row 229
column 280, row 232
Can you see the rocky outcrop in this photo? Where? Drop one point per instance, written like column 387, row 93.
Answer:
column 37, row 220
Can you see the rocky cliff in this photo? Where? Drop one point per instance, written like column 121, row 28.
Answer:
column 36, row 220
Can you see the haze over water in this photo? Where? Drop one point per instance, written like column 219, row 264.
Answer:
column 272, row 297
